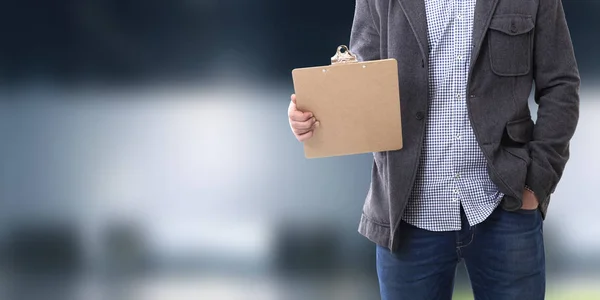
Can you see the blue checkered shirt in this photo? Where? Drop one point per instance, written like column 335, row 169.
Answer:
column 452, row 169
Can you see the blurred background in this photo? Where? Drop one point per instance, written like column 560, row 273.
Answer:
column 145, row 154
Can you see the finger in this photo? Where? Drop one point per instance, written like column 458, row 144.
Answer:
column 304, row 125
column 305, row 137
column 301, row 131
column 295, row 114
column 292, row 106
column 299, row 116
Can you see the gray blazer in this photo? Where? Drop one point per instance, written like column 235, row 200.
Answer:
column 515, row 43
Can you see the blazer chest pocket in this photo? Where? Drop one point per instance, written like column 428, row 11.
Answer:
column 510, row 42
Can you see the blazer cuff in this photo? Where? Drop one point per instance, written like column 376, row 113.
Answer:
column 540, row 181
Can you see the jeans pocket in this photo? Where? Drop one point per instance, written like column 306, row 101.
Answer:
column 527, row 211
column 512, row 205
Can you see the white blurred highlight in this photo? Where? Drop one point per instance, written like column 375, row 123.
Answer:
column 196, row 183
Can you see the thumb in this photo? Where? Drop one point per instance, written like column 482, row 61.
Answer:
column 294, row 98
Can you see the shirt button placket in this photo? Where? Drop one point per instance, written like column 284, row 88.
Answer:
column 455, row 195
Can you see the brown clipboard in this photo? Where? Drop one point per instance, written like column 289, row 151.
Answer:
column 356, row 103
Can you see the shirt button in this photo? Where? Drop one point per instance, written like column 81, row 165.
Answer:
column 456, row 191
column 454, row 199
column 459, row 57
column 460, row 17
column 457, row 175
column 457, row 136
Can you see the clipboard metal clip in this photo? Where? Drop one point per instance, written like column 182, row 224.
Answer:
column 343, row 55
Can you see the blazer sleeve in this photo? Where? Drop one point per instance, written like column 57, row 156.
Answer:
column 557, row 94
column 364, row 37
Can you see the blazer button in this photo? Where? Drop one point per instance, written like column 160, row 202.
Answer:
column 513, row 28
column 419, row 115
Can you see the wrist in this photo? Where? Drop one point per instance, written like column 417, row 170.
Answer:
column 527, row 188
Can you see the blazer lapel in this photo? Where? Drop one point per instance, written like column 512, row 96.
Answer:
column 417, row 18
column 483, row 14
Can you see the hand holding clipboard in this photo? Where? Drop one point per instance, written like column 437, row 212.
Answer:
column 349, row 107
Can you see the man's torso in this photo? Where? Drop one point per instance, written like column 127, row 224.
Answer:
column 452, row 170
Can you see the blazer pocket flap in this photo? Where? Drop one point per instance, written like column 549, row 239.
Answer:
column 512, row 24
column 520, row 131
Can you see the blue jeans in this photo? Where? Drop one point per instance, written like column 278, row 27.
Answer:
column 504, row 256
